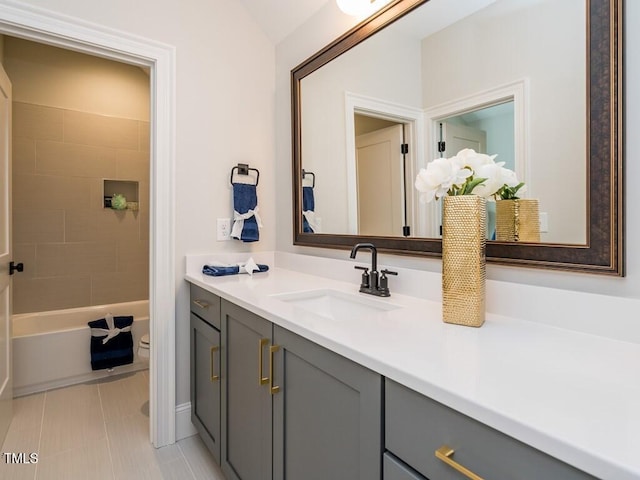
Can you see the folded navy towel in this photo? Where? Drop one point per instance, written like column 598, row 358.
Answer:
column 220, row 271
column 246, row 219
column 308, row 205
column 111, row 342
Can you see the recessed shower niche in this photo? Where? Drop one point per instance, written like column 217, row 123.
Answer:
column 127, row 188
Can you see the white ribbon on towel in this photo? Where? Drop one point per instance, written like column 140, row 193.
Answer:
column 310, row 216
column 239, row 218
column 110, row 332
column 248, row 267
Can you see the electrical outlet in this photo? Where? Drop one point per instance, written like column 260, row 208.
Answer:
column 224, row 229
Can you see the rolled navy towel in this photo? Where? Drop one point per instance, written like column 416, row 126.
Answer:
column 222, row 270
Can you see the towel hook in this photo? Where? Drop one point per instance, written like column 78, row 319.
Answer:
column 313, row 177
column 243, row 169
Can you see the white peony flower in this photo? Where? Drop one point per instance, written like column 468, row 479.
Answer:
column 439, row 176
column 466, row 173
column 492, row 172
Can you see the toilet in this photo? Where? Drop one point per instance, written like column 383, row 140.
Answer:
column 143, row 346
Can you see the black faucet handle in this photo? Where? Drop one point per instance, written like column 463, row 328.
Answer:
column 386, row 272
column 366, row 279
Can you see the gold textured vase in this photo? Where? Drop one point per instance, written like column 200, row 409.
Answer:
column 518, row 220
column 463, row 260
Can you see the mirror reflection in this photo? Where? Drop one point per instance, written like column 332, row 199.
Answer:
column 504, row 77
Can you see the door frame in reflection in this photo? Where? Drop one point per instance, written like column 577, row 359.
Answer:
column 413, row 120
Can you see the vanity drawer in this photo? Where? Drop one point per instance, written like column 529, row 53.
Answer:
column 417, row 426
column 206, row 305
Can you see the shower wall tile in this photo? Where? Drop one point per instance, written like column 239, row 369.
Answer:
column 144, row 225
column 64, row 259
column 43, row 294
column 132, row 165
column 45, row 191
column 89, row 129
column 59, row 158
column 23, row 155
column 144, row 129
column 76, row 252
column 36, row 121
column 119, row 287
column 104, row 225
column 133, row 256
column 34, row 226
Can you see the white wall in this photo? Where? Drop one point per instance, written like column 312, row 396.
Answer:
column 224, row 115
column 327, row 25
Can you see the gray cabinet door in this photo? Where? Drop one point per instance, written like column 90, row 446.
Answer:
column 246, row 400
column 205, row 383
column 327, row 417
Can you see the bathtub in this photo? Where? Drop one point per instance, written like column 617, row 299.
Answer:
column 51, row 349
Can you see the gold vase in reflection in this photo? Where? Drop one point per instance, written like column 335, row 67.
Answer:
column 463, row 260
column 517, row 220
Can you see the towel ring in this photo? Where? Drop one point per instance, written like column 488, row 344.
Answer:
column 313, row 175
column 243, row 169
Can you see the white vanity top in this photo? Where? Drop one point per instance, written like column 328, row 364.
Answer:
column 573, row 395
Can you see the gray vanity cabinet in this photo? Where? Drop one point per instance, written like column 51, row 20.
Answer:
column 246, row 399
column 416, row 427
column 205, row 368
column 327, row 413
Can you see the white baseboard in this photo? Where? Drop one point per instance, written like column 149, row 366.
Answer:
column 184, row 427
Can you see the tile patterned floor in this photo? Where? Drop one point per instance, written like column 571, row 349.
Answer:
column 98, row 430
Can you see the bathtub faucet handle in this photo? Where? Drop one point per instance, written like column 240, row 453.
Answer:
column 13, row 267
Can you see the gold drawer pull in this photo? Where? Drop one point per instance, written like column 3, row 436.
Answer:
column 273, row 388
column 214, row 377
column 445, row 453
column 201, row 303
column 261, row 343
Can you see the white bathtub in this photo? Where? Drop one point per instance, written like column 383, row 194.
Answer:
column 51, row 349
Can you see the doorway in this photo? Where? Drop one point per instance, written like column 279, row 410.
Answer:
column 53, row 29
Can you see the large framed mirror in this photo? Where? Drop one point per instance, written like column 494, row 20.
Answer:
column 540, row 80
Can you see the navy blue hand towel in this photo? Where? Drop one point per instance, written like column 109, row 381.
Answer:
column 308, row 205
column 246, row 219
column 220, row 271
column 117, row 349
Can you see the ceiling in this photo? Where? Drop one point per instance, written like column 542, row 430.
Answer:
column 279, row 18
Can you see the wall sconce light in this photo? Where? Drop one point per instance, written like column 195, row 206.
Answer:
column 360, row 8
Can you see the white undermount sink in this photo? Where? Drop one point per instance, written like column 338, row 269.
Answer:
column 336, row 305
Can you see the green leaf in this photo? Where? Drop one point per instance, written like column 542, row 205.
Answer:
column 468, row 187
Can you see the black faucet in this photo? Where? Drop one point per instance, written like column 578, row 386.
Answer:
column 372, row 283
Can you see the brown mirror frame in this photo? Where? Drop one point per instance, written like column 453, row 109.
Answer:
column 603, row 253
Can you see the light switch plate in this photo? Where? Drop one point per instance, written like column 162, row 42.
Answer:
column 223, row 229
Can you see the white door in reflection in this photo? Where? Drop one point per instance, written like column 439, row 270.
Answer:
column 379, row 177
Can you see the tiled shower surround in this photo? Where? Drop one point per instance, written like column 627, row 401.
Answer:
column 75, row 252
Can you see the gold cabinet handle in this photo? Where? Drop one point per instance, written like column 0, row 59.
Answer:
column 273, row 388
column 261, row 344
column 201, row 303
column 445, row 452
column 214, row 377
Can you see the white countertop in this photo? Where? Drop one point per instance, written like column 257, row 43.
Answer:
column 572, row 395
